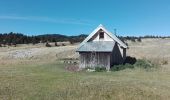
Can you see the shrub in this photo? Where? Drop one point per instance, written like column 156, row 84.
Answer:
column 133, row 40
column 47, row 45
column 139, row 39
column 56, row 44
column 164, row 62
column 117, row 67
column 129, row 66
column 100, row 69
column 63, row 44
column 143, row 64
column 121, row 67
column 130, row 60
column 140, row 63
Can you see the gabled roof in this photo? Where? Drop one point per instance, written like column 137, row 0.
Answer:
column 97, row 46
column 107, row 32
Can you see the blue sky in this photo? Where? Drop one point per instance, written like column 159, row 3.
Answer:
column 73, row 17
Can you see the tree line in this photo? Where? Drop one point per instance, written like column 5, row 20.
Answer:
column 139, row 39
column 19, row 38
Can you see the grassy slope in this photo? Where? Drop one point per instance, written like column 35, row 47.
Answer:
column 49, row 81
column 35, row 80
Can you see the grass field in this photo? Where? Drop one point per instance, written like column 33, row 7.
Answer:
column 47, row 79
column 50, row 81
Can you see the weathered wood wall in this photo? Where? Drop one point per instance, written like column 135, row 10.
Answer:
column 89, row 59
column 117, row 55
column 103, row 59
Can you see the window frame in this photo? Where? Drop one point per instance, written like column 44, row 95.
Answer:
column 101, row 35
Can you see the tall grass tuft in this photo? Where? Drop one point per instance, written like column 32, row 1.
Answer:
column 100, row 69
column 121, row 67
column 140, row 63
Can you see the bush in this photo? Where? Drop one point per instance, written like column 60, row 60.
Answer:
column 121, row 67
column 56, row 44
column 139, row 39
column 129, row 66
column 143, row 64
column 130, row 60
column 117, row 67
column 164, row 62
column 47, row 45
column 100, row 69
column 63, row 44
column 133, row 40
column 140, row 63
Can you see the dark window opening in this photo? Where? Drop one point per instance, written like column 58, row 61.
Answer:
column 101, row 35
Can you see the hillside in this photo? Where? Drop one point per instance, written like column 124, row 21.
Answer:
column 38, row 72
column 19, row 38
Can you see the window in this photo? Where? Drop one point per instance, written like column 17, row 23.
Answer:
column 101, row 35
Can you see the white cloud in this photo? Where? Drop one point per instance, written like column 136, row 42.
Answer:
column 48, row 19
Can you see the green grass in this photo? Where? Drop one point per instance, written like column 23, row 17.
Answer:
column 50, row 81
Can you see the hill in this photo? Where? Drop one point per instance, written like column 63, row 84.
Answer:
column 19, row 38
column 38, row 72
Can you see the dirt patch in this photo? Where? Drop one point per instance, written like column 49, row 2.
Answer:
column 72, row 68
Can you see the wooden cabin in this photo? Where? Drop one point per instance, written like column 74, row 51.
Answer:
column 101, row 49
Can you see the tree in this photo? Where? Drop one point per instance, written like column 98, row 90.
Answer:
column 56, row 44
column 133, row 40
column 33, row 40
column 139, row 39
column 47, row 44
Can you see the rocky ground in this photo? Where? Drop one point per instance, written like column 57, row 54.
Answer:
column 38, row 52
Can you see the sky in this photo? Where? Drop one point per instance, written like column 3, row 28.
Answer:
column 74, row 17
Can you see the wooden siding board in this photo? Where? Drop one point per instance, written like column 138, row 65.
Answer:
column 95, row 60
column 116, row 56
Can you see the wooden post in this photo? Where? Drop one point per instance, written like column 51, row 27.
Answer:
column 124, row 54
column 108, row 62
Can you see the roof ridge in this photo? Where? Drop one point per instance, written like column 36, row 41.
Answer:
column 107, row 32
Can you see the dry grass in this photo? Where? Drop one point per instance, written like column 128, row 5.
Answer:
column 49, row 81
column 43, row 76
column 30, row 53
column 156, row 50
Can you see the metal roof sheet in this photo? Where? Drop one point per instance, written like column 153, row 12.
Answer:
column 97, row 46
